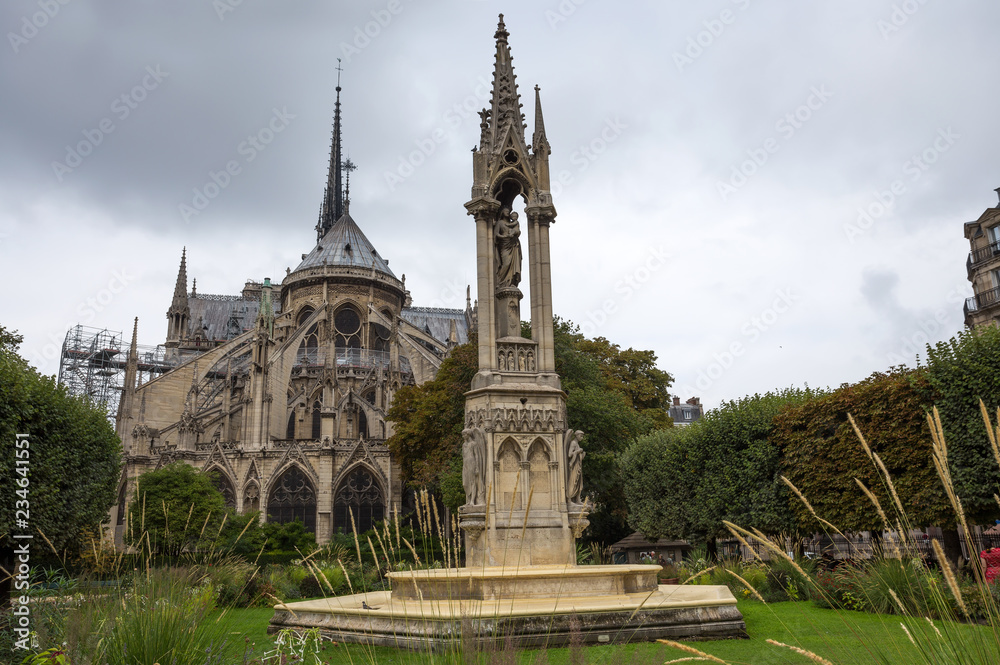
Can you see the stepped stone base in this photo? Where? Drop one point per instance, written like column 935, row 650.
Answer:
column 435, row 610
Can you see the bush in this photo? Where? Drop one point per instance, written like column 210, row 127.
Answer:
column 870, row 586
column 783, row 582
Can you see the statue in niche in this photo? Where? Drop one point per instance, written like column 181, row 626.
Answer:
column 574, row 465
column 474, row 466
column 508, row 249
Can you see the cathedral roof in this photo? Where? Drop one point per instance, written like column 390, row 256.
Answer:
column 345, row 245
column 222, row 317
column 436, row 322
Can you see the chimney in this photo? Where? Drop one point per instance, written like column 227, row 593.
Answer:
column 677, row 401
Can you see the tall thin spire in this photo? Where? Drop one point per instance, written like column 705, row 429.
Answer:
column 180, row 288
column 333, row 197
column 539, row 142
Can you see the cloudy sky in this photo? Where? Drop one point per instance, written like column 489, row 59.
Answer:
column 766, row 194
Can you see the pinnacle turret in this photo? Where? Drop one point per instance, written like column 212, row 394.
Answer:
column 180, row 288
column 539, row 142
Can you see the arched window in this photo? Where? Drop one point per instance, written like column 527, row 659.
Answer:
column 369, row 396
column 378, row 337
column 362, row 424
column 290, row 429
column 308, row 353
column 292, row 497
column 251, row 498
column 317, row 429
column 121, row 504
column 347, row 326
column 360, row 494
column 225, row 487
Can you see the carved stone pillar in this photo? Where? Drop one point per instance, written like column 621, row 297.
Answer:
column 508, row 309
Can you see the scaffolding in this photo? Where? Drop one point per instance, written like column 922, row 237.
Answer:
column 92, row 365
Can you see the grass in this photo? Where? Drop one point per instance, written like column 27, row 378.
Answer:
column 843, row 637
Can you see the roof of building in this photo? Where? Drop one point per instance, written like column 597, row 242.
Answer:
column 345, row 245
column 215, row 313
column 637, row 541
column 436, row 321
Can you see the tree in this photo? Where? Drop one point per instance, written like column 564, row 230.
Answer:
column 73, row 458
column 634, row 374
column 658, row 482
column 959, row 373
column 428, row 422
column 822, row 454
column 684, row 483
column 174, row 509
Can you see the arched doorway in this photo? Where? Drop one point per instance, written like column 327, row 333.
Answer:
column 292, row 497
column 361, row 494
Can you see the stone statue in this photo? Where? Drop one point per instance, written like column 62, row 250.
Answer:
column 474, row 465
column 574, row 465
column 508, row 249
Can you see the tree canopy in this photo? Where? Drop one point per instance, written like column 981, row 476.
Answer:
column 684, row 482
column 175, row 508
column 822, row 454
column 73, row 455
column 960, row 372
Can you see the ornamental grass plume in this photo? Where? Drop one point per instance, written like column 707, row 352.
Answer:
column 691, row 650
column 808, row 654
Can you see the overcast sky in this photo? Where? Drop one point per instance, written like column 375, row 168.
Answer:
column 714, row 160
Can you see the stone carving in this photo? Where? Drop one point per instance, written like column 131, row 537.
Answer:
column 508, row 249
column 474, row 465
column 484, row 129
column 516, row 357
column 520, row 419
column 574, row 466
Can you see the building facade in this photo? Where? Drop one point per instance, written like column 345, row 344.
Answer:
column 983, row 268
column 281, row 392
column 686, row 413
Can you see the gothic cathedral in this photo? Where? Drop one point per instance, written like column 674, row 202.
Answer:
column 281, row 392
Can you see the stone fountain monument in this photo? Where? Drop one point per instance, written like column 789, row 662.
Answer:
column 522, row 464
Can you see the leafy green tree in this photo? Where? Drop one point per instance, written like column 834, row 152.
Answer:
column 73, row 455
column 288, row 537
column 428, row 422
column 822, row 454
column 174, row 509
column 634, row 374
column 658, row 482
column 241, row 535
column 724, row 467
column 959, row 373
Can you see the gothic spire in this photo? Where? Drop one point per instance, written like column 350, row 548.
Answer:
column 333, row 197
column 539, row 142
column 180, row 288
column 132, row 350
column 505, row 109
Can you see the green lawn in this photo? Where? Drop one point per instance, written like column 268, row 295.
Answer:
column 845, row 638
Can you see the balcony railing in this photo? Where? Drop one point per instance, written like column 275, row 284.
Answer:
column 984, row 299
column 983, row 254
column 345, row 358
